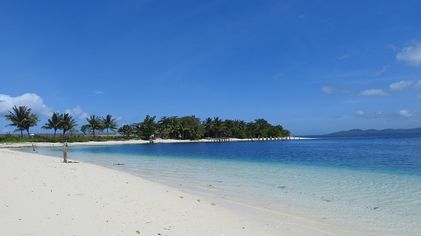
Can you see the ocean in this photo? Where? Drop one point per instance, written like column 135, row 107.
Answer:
column 367, row 184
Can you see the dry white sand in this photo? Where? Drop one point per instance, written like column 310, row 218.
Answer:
column 40, row 195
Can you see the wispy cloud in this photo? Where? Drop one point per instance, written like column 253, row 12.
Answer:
column 373, row 92
column 32, row 100
column 410, row 54
column 332, row 90
column 405, row 113
column 359, row 113
column 381, row 71
column 401, row 114
column 418, row 84
column 98, row 92
column 345, row 56
column 77, row 112
column 278, row 76
column 400, row 85
column 369, row 115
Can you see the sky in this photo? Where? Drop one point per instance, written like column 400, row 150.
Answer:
column 312, row 66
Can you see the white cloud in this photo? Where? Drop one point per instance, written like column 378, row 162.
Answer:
column 405, row 113
column 373, row 92
column 31, row 100
column 401, row 85
column 98, row 92
column 410, row 54
column 418, row 84
column 77, row 112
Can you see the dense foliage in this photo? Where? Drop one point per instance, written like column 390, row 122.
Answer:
column 191, row 127
column 64, row 122
column 168, row 127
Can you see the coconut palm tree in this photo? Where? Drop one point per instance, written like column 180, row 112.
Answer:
column 67, row 123
column 169, row 127
column 126, row 130
column 85, row 129
column 146, row 129
column 94, row 123
column 54, row 122
column 109, row 123
column 22, row 118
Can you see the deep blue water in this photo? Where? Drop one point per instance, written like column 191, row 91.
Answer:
column 398, row 155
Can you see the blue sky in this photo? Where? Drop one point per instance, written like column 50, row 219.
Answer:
column 312, row 66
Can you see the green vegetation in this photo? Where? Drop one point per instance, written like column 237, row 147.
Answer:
column 22, row 118
column 109, row 123
column 67, row 123
column 94, row 124
column 191, row 127
column 9, row 138
column 58, row 121
column 172, row 127
column 53, row 123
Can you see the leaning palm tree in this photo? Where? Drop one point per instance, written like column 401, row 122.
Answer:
column 94, row 123
column 67, row 123
column 85, row 129
column 54, row 122
column 109, row 123
column 22, row 118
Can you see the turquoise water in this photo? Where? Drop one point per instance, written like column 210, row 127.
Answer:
column 371, row 185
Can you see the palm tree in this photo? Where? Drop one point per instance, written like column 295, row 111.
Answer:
column 94, row 123
column 109, row 123
column 22, row 118
column 146, row 129
column 169, row 127
column 67, row 123
column 126, row 130
column 54, row 122
column 85, row 129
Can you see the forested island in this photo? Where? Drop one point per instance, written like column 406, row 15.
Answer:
column 97, row 128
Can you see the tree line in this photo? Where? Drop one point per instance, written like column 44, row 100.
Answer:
column 191, row 127
column 172, row 127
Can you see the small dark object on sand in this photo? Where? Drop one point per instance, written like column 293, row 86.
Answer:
column 118, row 164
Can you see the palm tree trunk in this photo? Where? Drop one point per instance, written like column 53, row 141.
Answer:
column 55, row 131
column 21, row 133
column 27, row 130
column 65, row 152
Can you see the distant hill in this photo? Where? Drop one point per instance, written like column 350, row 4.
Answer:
column 375, row 132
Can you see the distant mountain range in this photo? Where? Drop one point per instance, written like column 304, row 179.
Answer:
column 375, row 132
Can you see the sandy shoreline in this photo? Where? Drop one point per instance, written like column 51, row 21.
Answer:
column 136, row 141
column 39, row 195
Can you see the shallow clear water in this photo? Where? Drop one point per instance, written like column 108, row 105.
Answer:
column 365, row 184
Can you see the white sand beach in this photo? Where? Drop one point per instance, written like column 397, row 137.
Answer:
column 139, row 141
column 40, row 195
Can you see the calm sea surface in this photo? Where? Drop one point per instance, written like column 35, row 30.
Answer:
column 368, row 184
